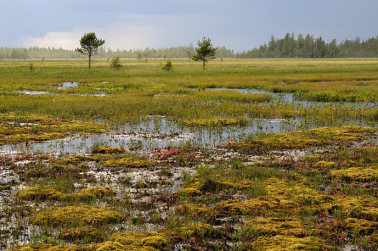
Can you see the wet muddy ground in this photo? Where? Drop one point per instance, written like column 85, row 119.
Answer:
column 186, row 197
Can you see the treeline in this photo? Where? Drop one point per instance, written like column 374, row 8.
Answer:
column 287, row 47
column 147, row 53
column 310, row 47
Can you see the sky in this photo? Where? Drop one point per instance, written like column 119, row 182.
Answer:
column 236, row 24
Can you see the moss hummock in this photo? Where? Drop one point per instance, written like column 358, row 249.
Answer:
column 51, row 193
column 325, row 164
column 363, row 207
column 276, row 226
column 128, row 162
column 360, row 226
column 108, row 149
column 283, row 243
column 211, row 122
column 76, row 216
column 303, row 139
column 357, row 173
column 89, row 234
column 151, row 239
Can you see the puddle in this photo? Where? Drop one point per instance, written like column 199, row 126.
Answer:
column 67, row 85
column 34, row 92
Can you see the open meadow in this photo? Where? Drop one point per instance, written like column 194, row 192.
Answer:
column 250, row 154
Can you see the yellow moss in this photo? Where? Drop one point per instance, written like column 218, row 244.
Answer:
column 312, row 159
column 107, row 246
column 210, row 122
column 91, row 234
column 295, row 191
column 284, row 243
column 367, row 155
column 257, row 205
column 303, row 139
column 152, row 239
column 197, row 230
column 5, row 187
column 363, row 207
column 325, row 164
column 194, row 209
column 128, row 162
column 360, row 225
column 37, row 193
column 373, row 239
column 76, row 216
column 41, row 128
column 357, row 173
column 51, row 193
column 283, row 196
column 78, row 159
column 44, row 247
column 276, row 226
column 108, row 149
column 189, row 192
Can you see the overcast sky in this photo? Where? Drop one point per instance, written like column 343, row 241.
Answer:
column 236, row 24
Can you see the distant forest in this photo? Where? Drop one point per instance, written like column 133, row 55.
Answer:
column 310, row 47
column 287, row 47
column 147, row 53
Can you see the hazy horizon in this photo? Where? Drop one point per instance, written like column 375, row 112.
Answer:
column 238, row 25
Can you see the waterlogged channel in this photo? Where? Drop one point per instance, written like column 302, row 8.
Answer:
column 158, row 132
column 290, row 98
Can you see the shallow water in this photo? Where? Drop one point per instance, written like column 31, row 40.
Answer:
column 67, row 85
column 290, row 98
column 158, row 132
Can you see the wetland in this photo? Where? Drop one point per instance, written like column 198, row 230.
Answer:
column 248, row 155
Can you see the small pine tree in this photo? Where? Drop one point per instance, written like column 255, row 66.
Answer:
column 168, row 66
column 31, row 66
column 205, row 51
column 116, row 64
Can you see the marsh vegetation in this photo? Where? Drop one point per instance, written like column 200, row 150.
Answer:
column 263, row 154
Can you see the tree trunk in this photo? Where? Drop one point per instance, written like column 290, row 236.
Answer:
column 203, row 64
column 89, row 65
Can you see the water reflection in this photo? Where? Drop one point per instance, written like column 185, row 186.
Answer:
column 158, row 132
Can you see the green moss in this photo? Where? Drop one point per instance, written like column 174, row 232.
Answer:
column 276, row 226
column 128, row 162
column 152, row 239
column 284, row 243
column 51, row 193
column 357, row 173
column 89, row 234
column 76, row 216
